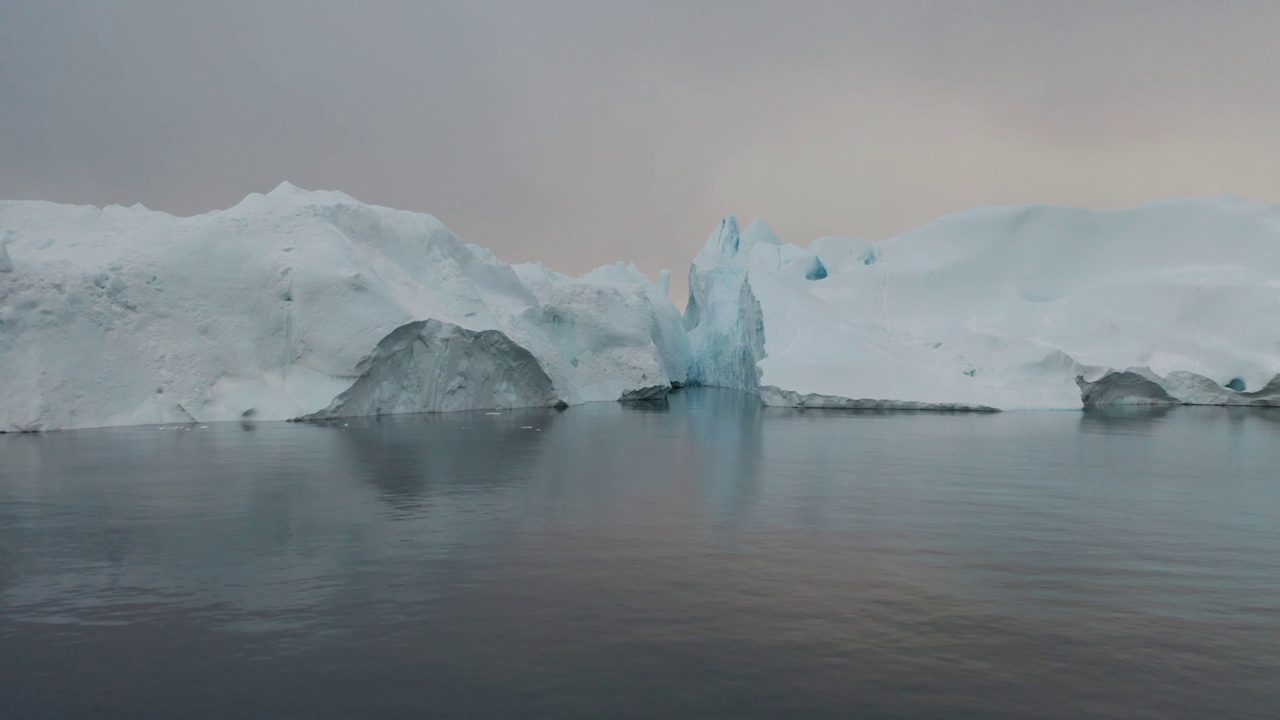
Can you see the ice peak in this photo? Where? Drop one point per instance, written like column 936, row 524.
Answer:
column 729, row 243
column 286, row 194
column 725, row 238
column 287, row 188
column 758, row 232
column 722, row 244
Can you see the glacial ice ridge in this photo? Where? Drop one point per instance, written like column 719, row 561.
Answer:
column 311, row 305
column 1000, row 308
column 297, row 303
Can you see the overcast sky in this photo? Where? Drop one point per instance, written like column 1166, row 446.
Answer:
column 581, row 133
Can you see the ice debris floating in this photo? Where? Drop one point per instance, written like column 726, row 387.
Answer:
column 1173, row 302
column 300, row 303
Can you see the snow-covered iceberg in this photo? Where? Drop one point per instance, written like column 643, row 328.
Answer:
column 298, row 303
column 1000, row 308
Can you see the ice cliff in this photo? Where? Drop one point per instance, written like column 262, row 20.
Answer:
column 300, row 303
column 312, row 304
column 999, row 308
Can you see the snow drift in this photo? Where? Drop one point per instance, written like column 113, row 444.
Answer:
column 298, row 302
column 999, row 308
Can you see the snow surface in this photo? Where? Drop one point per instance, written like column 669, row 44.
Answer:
column 999, row 308
column 278, row 308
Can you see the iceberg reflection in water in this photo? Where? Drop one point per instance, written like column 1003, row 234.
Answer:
column 703, row 557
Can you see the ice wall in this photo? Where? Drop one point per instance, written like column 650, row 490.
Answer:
column 274, row 308
column 998, row 308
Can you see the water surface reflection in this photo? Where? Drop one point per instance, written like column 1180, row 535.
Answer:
column 710, row 558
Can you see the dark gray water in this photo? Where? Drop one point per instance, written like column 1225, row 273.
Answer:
column 710, row 560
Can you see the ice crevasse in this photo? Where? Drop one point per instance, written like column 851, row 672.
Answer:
column 1033, row 307
column 302, row 303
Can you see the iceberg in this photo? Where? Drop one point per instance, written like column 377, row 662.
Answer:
column 430, row 366
column 1033, row 307
column 300, row 304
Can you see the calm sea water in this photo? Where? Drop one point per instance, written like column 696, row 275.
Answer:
column 708, row 559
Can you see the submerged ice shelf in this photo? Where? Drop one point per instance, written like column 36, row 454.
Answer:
column 296, row 303
column 999, row 308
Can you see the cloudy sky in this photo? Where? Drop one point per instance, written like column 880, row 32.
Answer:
column 590, row 131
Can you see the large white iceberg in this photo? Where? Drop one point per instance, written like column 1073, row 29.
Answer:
column 298, row 303
column 1000, row 308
